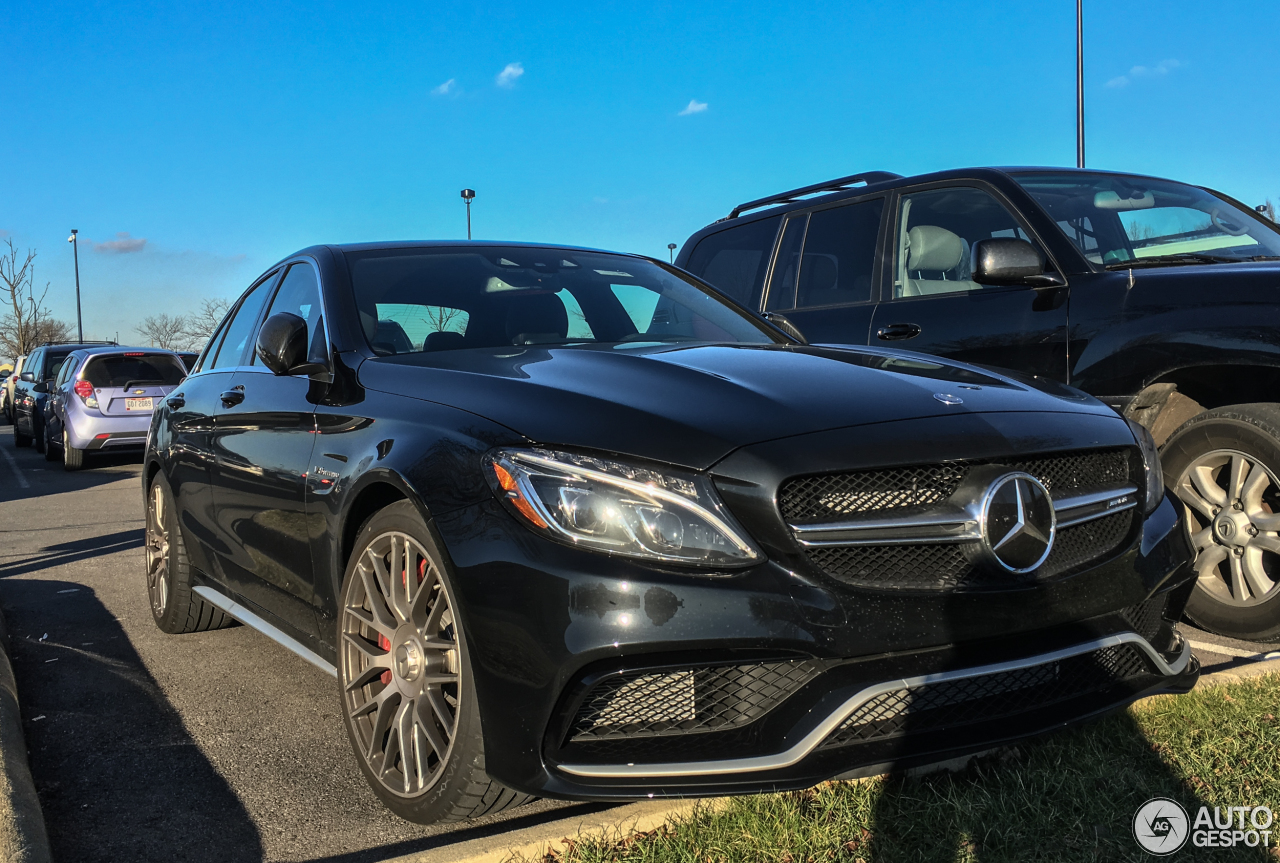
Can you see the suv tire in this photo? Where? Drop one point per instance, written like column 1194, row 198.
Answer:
column 174, row 606
column 50, row 449
column 37, row 434
column 404, row 670
column 1224, row 465
column 20, row 439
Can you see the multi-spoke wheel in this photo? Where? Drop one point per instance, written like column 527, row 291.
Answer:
column 408, row 701
column 1224, row 466
column 173, row 605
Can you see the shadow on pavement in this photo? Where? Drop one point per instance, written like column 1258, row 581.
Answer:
column 119, row 777
column 70, row 552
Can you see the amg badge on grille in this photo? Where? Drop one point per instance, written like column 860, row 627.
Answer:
column 1018, row 522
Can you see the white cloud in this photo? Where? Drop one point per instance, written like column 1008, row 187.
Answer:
column 694, row 107
column 1164, row 67
column 507, row 77
column 123, row 244
column 446, row 88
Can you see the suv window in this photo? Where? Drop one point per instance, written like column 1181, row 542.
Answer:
column 937, row 231
column 735, row 260
column 838, row 257
column 299, row 295
column 239, row 331
column 33, row 363
column 52, row 361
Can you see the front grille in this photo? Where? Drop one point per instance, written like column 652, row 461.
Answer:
column 1147, row 617
column 656, row 703
column 829, row 497
column 952, row 703
column 950, row 566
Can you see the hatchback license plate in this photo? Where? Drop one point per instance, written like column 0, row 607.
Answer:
column 137, row 404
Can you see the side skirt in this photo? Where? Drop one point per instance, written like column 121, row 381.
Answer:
column 253, row 621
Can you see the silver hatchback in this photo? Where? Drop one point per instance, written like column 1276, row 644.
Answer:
column 103, row 399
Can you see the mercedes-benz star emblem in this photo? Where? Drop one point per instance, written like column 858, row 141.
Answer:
column 1019, row 522
column 948, row 399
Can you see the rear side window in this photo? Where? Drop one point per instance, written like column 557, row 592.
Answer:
column 735, row 260
column 116, row 371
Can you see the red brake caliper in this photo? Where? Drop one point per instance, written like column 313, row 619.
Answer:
column 382, row 639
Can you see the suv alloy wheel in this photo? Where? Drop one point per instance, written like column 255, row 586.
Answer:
column 1224, row 465
column 409, row 703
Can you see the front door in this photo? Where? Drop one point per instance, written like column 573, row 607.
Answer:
column 933, row 305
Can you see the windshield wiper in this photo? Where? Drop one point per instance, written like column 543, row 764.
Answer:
column 1180, row 258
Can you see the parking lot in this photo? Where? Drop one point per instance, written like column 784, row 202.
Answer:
column 146, row 746
column 211, row 746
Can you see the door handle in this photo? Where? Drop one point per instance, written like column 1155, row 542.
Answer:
column 232, row 397
column 175, row 401
column 897, row 332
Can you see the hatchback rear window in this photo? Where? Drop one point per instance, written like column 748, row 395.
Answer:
column 123, row 371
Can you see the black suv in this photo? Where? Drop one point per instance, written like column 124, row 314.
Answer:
column 1160, row 298
column 29, row 397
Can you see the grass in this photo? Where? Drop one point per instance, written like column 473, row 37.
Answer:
column 1069, row 797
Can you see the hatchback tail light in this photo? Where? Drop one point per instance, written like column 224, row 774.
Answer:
column 84, row 389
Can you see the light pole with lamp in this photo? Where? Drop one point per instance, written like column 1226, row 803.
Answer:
column 75, row 251
column 1079, row 83
column 468, row 195
column 671, row 251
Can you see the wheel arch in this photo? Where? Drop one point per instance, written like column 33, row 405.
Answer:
column 1175, row 396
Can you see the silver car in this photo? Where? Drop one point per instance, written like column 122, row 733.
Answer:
column 103, row 398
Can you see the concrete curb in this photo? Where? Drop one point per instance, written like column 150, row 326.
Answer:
column 1238, row 673
column 23, row 838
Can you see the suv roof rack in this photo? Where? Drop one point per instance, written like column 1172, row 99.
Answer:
column 868, row 178
column 74, row 342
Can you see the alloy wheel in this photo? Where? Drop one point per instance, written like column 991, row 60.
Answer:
column 158, row 549
column 1233, row 517
column 400, row 664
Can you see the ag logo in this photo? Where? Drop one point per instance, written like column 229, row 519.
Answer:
column 1160, row 826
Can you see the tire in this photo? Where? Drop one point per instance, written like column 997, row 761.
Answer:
column 72, row 458
column 19, row 439
column 50, row 449
column 174, row 607
column 423, row 674
column 1224, row 465
column 37, row 434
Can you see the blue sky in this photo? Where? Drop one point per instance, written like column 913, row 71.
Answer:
column 228, row 135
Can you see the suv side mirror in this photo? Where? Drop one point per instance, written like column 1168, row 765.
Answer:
column 282, row 346
column 27, row 377
column 42, row 387
column 1008, row 261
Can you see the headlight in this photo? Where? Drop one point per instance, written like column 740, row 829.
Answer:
column 612, row 507
column 1153, row 476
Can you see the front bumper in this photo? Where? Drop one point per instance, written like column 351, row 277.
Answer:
column 836, row 682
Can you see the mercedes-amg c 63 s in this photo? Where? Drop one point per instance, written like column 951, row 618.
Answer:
column 569, row 523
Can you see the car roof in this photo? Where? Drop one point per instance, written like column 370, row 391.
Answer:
column 102, row 350
column 342, row 248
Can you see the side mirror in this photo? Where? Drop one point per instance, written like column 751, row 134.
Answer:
column 1007, row 261
column 28, row 377
column 282, row 346
column 42, row 387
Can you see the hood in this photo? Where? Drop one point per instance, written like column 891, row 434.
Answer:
column 691, row 406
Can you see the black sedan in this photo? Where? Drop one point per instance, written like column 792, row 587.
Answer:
column 570, row 523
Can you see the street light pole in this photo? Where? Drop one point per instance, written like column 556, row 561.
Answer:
column 75, row 251
column 671, row 251
column 1079, row 83
column 468, row 195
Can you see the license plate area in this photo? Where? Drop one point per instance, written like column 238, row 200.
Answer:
column 138, row 404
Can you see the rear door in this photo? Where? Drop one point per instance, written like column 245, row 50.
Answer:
column 932, row 305
column 262, row 446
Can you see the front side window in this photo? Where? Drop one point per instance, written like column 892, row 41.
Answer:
column 235, row 348
column 1119, row 220
column 937, row 232
column 734, row 260
column 838, row 258
column 299, row 295
column 33, row 364
column 427, row 300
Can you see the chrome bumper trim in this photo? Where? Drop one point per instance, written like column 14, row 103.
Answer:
column 814, row 738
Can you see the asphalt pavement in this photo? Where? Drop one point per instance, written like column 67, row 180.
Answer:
column 216, row 746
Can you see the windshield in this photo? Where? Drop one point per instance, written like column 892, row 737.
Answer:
column 1115, row 219
column 416, row 300
column 126, row 370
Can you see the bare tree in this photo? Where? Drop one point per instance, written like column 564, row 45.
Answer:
column 27, row 321
column 164, row 331
column 202, row 322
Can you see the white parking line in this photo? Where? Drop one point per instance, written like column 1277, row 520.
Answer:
column 1224, row 651
column 17, row 471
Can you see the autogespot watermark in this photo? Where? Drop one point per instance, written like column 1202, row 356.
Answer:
column 1162, row 826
